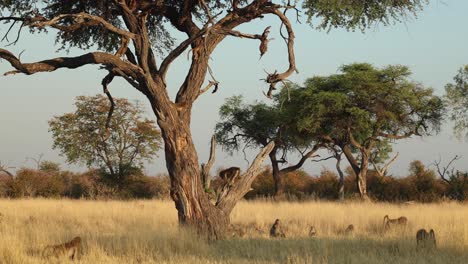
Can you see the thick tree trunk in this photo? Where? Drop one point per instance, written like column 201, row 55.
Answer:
column 192, row 203
column 360, row 170
column 361, row 178
column 362, row 184
column 341, row 182
column 277, row 175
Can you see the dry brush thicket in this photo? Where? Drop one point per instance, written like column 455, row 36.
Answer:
column 147, row 232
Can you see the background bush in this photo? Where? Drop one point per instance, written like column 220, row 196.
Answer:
column 50, row 181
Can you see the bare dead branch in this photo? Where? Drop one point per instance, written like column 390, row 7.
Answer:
column 205, row 168
column 382, row 172
column 232, row 194
column 323, row 159
column 105, row 82
column 208, row 86
column 41, row 22
column 443, row 170
column 301, row 162
column 5, row 169
column 70, row 63
column 276, row 77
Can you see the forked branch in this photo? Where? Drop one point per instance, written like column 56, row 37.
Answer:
column 382, row 172
column 231, row 194
column 443, row 171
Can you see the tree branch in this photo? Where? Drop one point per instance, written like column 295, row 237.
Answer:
column 41, row 22
column 205, row 168
column 102, row 58
column 105, row 82
column 382, row 172
column 4, row 169
column 442, row 170
column 231, row 194
column 302, row 160
column 274, row 78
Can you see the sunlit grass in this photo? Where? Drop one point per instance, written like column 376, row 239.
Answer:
column 147, row 232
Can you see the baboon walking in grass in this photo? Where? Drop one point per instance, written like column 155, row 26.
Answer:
column 425, row 239
column 349, row 230
column 388, row 222
column 276, row 229
column 70, row 249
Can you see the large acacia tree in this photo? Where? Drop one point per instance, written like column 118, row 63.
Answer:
column 127, row 35
column 362, row 109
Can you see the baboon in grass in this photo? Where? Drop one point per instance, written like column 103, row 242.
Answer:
column 388, row 222
column 276, row 229
column 349, row 230
column 70, row 249
column 424, row 238
column 312, row 231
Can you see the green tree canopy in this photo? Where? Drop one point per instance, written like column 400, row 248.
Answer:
column 254, row 125
column 457, row 98
column 362, row 108
column 82, row 136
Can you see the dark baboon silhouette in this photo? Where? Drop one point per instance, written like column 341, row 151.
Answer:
column 276, row 229
column 312, row 231
column 424, row 238
column 230, row 174
column 349, row 230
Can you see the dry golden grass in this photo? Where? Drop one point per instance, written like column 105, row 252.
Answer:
column 146, row 232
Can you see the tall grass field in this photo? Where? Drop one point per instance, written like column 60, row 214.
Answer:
column 147, row 232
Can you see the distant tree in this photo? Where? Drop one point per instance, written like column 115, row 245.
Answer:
column 49, row 166
column 128, row 140
column 255, row 125
column 139, row 30
column 362, row 107
column 457, row 98
column 6, row 169
column 456, row 180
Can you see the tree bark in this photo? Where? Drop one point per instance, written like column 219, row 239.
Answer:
column 359, row 169
column 192, row 204
column 362, row 177
column 277, row 175
column 341, row 174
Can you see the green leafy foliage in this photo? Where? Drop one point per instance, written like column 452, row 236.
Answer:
column 457, row 99
column 87, row 36
column 82, row 136
column 256, row 124
column 349, row 14
column 367, row 103
column 360, row 14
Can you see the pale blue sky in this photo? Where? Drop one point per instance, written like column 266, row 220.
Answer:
column 433, row 46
